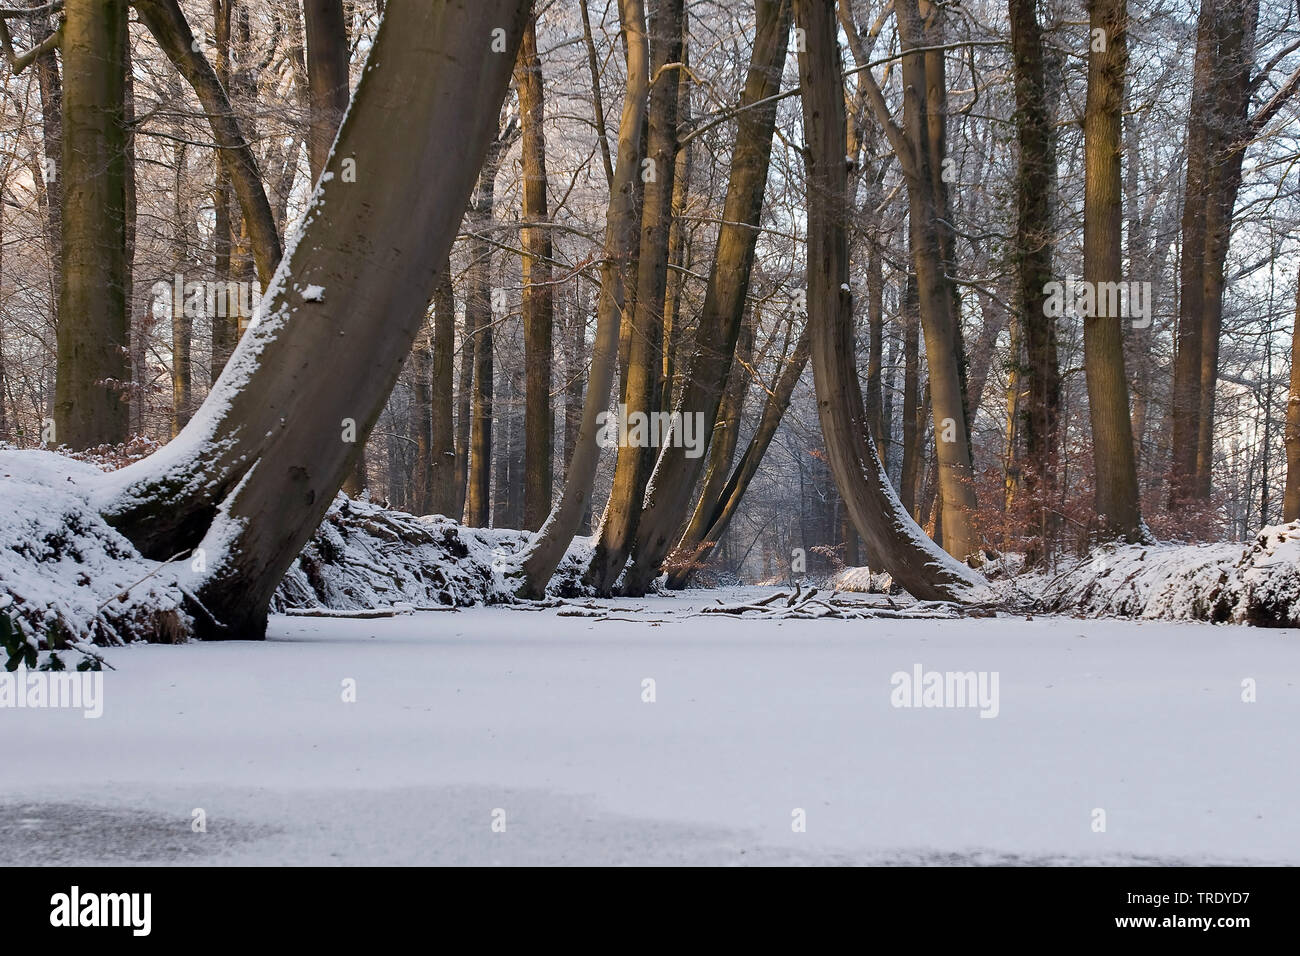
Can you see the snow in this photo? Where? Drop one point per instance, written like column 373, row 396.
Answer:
column 541, row 716
column 60, row 561
column 1224, row 582
column 313, row 293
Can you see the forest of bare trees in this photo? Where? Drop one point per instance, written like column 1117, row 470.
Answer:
column 734, row 287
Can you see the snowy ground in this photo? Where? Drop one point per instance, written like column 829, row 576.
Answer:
column 458, row 715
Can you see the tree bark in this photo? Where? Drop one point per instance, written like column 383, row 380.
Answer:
column 887, row 530
column 931, row 256
column 538, row 299
column 464, row 410
column 421, row 421
column 1038, row 424
column 1236, row 55
column 478, row 305
column 327, row 77
column 90, row 404
column 442, row 452
column 1291, row 437
column 539, row 562
column 668, row 496
column 1103, row 336
column 913, row 417
column 1217, row 127
column 634, row 463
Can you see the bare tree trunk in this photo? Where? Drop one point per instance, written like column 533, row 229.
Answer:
column 539, row 562
column 922, row 140
column 421, row 421
column 1230, row 116
column 182, row 324
column 576, row 368
column 442, row 452
column 1291, row 437
column 169, row 27
column 876, row 349
column 913, row 418
column 1103, row 335
column 478, row 304
column 887, row 530
column 538, row 302
column 677, row 235
column 51, row 89
column 722, row 448
column 327, row 77
column 249, row 483
column 1217, row 128
column 667, row 501
column 634, row 463
column 464, row 411
column 90, row 405
column 1034, row 249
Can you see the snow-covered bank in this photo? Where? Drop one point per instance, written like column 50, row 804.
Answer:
column 62, row 563
column 367, row 556
column 1222, row 583
column 544, row 718
column 1257, row 584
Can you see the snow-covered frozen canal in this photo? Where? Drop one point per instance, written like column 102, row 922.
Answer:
column 496, row 735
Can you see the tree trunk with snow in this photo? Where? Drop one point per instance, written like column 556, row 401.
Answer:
column 251, row 476
column 886, row 528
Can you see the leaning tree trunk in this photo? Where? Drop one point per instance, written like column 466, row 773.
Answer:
column 667, row 500
column 645, row 361
column 538, row 299
column 92, row 374
column 722, row 448
column 1103, row 336
column 710, row 523
column 886, row 528
column 251, row 476
column 543, row 556
column 169, row 27
column 326, row 66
